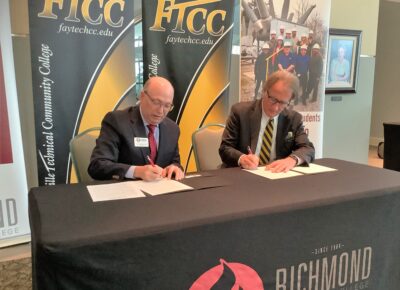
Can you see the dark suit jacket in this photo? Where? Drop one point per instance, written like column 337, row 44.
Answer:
column 115, row 149
column 243, row 126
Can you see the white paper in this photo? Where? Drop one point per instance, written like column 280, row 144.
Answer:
column 113, row 191
column 271, row 175
column 313, row 169
column 161, row 186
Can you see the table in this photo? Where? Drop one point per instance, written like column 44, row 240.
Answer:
column 391, row 159
column 333, row 230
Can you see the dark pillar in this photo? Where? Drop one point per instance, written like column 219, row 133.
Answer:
column 391, row 159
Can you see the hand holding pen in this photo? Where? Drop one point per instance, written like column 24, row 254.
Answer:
column 149, row 172
column 249, row 161
column 168, row 171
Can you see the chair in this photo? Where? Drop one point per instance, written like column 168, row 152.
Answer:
column 206, row 141
column 81, row 147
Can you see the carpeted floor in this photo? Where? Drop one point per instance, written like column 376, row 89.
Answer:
column 16, row 274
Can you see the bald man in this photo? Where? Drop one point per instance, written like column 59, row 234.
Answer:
column 140, row 142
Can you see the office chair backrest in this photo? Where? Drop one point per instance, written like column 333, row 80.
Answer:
column 206, row 141
column 81, row 147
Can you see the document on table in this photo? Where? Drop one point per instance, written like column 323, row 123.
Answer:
column 298, row 170
column 271, row 175
column 161, row 186
column 134, row 189
column 313, row 169
column 113, row 191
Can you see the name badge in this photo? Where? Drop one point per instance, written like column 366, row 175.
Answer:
column 141, row 142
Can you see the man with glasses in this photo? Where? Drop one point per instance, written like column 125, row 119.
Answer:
column 266, row 132
column 140, row 141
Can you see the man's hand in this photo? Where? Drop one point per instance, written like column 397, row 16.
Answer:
column 173, row 169
column 282, row 165
column 148, row 172
column 249, row 161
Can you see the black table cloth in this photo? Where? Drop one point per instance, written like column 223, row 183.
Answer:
column 324, row 231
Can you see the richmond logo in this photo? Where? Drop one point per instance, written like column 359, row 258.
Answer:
column 234, row 276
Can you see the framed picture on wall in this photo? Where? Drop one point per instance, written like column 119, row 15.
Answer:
column 342, row 61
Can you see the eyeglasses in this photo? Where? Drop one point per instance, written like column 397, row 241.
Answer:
column 274, row 101
column 157, row 103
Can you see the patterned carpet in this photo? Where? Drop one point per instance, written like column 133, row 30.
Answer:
column 16, row 274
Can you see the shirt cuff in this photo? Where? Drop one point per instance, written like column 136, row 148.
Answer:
column 239, row 159
column 298, row 159
column 130, row 173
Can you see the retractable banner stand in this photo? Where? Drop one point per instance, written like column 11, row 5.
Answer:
column 189, row 43
column 14, row 224
column 300, row 26
column 82, row 67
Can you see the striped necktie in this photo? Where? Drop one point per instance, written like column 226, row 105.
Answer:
column 266, row 146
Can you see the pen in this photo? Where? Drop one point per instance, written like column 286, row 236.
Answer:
column 249, row 150
column 150, row 161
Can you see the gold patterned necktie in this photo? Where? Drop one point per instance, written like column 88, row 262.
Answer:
column 266, row 146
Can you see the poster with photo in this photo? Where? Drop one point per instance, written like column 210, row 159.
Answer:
column 287, row 35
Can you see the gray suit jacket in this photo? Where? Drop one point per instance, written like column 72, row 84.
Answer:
column 115, row 149
column 243, row 126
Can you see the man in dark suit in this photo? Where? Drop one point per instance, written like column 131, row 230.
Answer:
column 139, row 142
column 249, row 140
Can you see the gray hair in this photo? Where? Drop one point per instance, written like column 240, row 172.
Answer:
column 288, row 78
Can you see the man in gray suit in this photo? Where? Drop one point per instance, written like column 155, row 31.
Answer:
column 139, row 142
column 249, row 140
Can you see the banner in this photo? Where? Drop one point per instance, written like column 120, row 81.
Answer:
column 14, row 224
column 300, row 26
column 5, row 139
column 189, row 43
column 82, row 67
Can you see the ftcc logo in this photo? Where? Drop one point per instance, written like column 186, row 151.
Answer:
column 229, row 276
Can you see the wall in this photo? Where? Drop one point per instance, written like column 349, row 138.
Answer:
column 358, row 15
column 386, row 102
column 347, row 122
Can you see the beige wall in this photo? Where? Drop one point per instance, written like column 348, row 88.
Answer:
column 19, row 17
column 386, row 103
column 347, row 121
column 358, row 15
